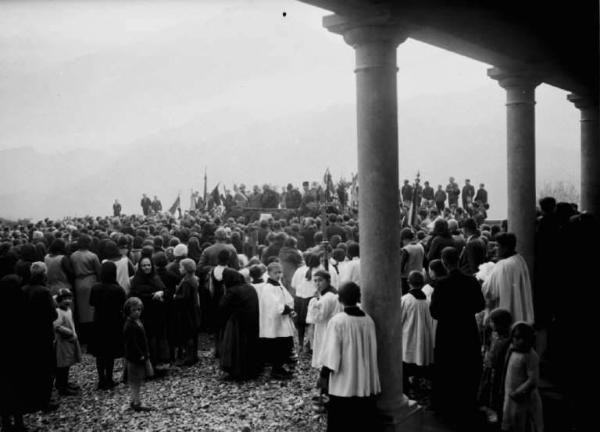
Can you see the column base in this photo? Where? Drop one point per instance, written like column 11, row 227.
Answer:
column 408, row 418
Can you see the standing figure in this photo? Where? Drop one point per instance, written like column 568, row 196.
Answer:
column 68, row 351
column 146, row 204
column 481, row 196
column 349, row 374
column 136, row 352
column 522, row 411
column 453, row 191
column 107, row 299
column 457, row 354
column 320, row 310
column 276, row 328
column 156, row 205
column 116, row 208
column 440, row 199
column 238, row 312
column 468, row 192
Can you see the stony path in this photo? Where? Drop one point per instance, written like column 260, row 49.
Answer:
column 189, row 399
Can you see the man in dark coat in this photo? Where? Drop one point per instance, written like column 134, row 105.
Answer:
column 440, row 199
column 481, row 196
column 238, row 313
column 38, row 328
column 457, row 354
column 146, row 204
column 116, row 208
column 453, row 192
column 428, row 193
column 468, row 192
column 334, row 228
column 475, row 251
column 293, row 198
column 156, row 205
column 407, row 193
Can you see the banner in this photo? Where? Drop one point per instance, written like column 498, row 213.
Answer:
column 175, row 205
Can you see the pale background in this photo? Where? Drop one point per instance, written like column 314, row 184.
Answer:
column 111, row 99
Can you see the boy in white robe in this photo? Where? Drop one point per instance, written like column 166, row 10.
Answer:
column 349, row 358
column 417, row 331
column 320, row 310
column 276, row 328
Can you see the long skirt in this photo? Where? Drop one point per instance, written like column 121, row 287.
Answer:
column 83, row 289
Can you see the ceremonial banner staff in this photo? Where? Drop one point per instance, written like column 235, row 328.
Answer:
column 205, row 190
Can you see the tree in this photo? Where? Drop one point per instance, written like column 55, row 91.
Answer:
column 561, row 191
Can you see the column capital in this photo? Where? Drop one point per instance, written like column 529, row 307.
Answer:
column 520, row 84
column 380, row 27
column 514, row 78
column 582, row 102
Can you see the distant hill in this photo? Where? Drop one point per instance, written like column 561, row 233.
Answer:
column 456, row 138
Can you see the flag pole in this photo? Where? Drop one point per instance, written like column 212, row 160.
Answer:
column 205, row 192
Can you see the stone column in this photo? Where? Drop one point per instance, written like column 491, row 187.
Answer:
column 379, row 215
column 520, row 127
column 590, row 153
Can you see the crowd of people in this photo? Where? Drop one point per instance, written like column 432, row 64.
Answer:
column 142, row 288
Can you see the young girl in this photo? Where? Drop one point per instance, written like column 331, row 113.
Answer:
column 68, row 351
column 136, row 351
column 490, row 387
column 522, row 403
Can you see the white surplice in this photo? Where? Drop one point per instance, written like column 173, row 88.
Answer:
column 320, row 311
column 417, row 331
column 350, row 351
column 509, row 287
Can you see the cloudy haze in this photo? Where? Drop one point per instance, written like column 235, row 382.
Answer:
column 105, row 99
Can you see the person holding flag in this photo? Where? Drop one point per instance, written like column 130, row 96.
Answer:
column 176, row 206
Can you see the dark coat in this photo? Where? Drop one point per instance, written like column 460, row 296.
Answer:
column 457, row 354
column 170, row 281
column 12, row 364
column 153, row 316
column 238, row 312
column 438, row 243
column 293, row 199
column 107, row 333
column 187, row 310
column 38, row 331
column 135, row 342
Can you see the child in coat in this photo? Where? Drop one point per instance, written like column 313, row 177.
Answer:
column 490, row 388
column 522, row 409
column 68, row 351
column 136, row 351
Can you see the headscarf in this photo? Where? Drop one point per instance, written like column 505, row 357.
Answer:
column 108, row 273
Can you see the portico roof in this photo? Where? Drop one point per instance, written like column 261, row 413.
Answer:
column 557, row 41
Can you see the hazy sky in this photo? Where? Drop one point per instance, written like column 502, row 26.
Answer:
column 104, row 74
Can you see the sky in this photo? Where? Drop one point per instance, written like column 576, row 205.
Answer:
column 131, row 79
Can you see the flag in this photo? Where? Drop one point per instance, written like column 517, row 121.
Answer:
column 215, row 195
column 175, row 205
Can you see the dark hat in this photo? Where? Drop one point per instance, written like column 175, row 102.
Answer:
column 305, row 183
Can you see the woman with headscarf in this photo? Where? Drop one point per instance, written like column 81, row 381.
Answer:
column 60, row 271
column 170, row 280
column 238, row 313
column 27, row 256
column 187, row 309
column 194, row 250
column 149, row 288
column 107, row 298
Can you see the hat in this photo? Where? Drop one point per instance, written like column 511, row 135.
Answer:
column 180, row 251
column 304, row 183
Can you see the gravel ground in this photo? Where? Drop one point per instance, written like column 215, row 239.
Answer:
column 195, row 398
